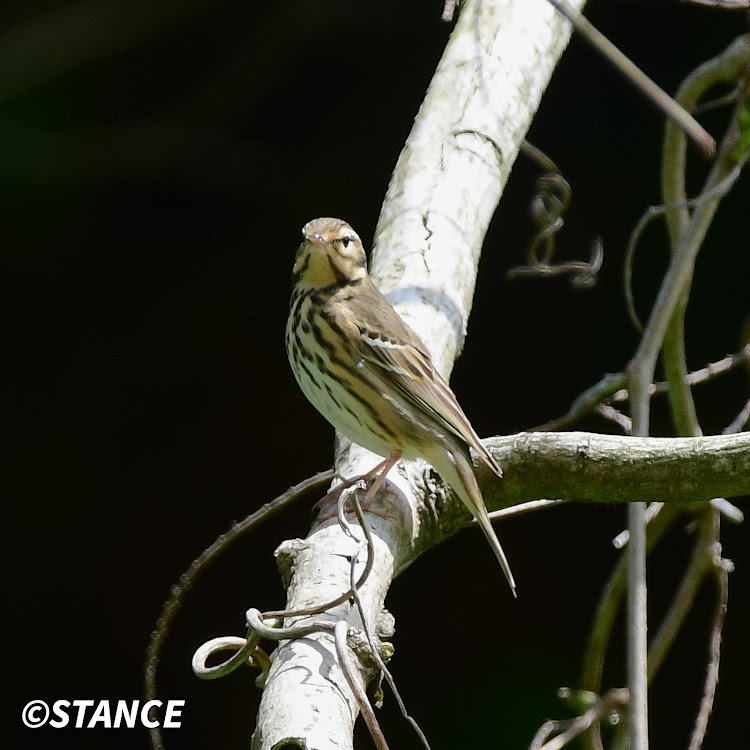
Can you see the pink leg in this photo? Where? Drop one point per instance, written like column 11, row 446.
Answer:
column 381, row 470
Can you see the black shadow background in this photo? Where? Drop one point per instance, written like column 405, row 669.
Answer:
column 156, row 164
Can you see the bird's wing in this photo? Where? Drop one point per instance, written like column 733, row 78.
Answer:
column 390, row 348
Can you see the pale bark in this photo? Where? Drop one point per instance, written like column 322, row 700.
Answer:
column 444, row 191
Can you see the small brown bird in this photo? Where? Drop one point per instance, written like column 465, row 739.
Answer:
column 368, row 373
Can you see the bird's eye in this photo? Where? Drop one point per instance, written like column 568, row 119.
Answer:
column 345, row 241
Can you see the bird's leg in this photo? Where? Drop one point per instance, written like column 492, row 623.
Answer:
column 335, row 493
column 380, row 472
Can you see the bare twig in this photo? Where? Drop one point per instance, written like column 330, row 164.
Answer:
column 614, row 700
column 684, row 597
column 374, row 650
column 609, row 389
column 586, row 402
column 365, row 708
column 730, row 512
column 583, row 273
column 185, row 583
column 637, row 613
column 697, row 377
column 722, row 568
column 652, row 511
column 723, row 4
column 669, row 302
column 637, row 77
column 717, row 102
column 536, row 154
column 449, row 8
column 604, row 620
column 739, row 422
column 245, row 648
column 521, row 509
column 548, row 207
column 651, row 213
column 727, row 67
column 614, row 415
column 640, row 370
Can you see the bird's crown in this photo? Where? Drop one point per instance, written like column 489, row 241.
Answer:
column 331, row 253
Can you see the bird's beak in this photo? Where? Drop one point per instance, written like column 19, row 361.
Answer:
column 315, row 239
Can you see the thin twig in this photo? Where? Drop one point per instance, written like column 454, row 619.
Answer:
column 696, row 377
column 260, row 626
column 340, row 632
column 368, row 635
column 739, row 422
column 449, row 8
column 548, row 207
column 185, row 583
column 637, row 77
column 609, row 388
column 651, row 213
column 723, row 4
column 712, row 672
column 623, row 421
column 380, row 472
column 684, row 597
column 725, row 171
column 550, row 727
column 637, row 614
column 522, row 508
column 617, row 698
column 719, row 101
column 640, row 375
column 585, row 402
column 245, row 649
column 536, row 154
column 673, row 186
column 604, row 619
column 652, row 511
column 583, row 273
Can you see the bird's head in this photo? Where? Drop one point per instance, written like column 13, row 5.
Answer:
column 331, row 253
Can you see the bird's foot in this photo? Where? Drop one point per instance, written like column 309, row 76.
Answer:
column 373, row 480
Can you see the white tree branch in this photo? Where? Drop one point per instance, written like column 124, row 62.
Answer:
column 578, row 466
column 445, row 188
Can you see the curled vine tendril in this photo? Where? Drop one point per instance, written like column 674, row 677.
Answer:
column 548, row 208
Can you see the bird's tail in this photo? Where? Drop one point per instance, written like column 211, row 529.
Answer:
column 465, row 485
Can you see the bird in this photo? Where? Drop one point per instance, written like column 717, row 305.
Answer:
column 369, row 374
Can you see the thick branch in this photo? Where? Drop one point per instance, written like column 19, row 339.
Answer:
column 577, row 466
column 456, row 161
column 588, row 467
column 592, row 468
column 444, row 191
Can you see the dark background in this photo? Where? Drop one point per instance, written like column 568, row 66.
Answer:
column 157, row 161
